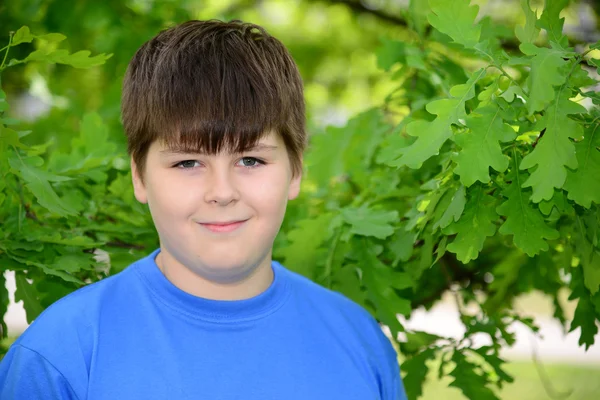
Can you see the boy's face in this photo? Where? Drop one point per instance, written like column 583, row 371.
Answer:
column 218, row 215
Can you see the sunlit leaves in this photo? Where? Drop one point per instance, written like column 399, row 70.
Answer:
column 523, row 220
column 24, row 35
column 550, row 21
column 431, row 135
column 547, row 71
column 80, row 59
column 481, row 145
column 554, row 151
column 456, row 19
column 529, row 32
column 50, row 54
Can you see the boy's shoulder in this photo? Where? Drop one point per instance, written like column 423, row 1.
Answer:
column 334, row 306
column 77, row 311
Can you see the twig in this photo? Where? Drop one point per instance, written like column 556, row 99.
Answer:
column 10, row 36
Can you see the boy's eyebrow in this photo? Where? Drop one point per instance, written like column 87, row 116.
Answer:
column 176, row 150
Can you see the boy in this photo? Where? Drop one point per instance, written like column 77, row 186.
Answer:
column 214, row 116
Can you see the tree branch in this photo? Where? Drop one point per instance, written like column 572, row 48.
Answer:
column 360, row 8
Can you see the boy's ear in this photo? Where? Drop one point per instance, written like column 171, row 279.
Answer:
column 138, row 184
column 294, row 190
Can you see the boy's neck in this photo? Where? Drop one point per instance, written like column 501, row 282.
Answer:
column 194, row 284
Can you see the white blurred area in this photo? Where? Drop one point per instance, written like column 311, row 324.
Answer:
column 550, row 344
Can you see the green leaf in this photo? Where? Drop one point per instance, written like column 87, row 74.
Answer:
column 454, row 209
column 512, row 92
column 554, row 151
column 588, row 253
column 418, row 10
column 585, row 318
column 583, row 184
column 80, row 59
column 547, row 71
column 4, row 106
column 432, row 135
column 529, row 32
column 4, row 301
column 389, row 53
column 550, row 21
column 365, row 221
column 51, row 270
column 358, row 140
column 488, row 353
column 94, row 137
column 591, row 270
column 38, row 182
column 473, row 384
column 415, row 372
column 401, row 245
column 523, row 221
column 476, row 223
column 29, row 295
column 52, row 37
column 481, row 146
column 418, row 340
column 380, row 281
column 22, row 35
column 304, row 241
column 72, row 263
column 346, row 280
column 9, row 137
column 456, row 19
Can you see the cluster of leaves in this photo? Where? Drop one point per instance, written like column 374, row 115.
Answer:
column 463, row 174
column 61, row 212
column 483, row 181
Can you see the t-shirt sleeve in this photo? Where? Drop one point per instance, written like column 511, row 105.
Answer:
column 27, row 375
column 393, row 387
column 396, row 390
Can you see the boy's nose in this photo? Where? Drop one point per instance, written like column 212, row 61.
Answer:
column 221, row 188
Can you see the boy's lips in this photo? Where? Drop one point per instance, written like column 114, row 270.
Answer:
column 219, row 227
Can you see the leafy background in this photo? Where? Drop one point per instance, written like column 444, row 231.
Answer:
column 454, row 153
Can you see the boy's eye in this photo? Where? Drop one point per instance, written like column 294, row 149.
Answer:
column 187, row 164
column 250, row 162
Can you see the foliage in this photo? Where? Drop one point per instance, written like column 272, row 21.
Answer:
column 481, row 162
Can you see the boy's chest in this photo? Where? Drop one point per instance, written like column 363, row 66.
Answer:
column 231, row 366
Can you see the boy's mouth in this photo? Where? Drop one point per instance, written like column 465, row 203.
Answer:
column 219, row 227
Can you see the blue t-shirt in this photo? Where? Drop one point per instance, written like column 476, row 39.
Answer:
column 137, row 336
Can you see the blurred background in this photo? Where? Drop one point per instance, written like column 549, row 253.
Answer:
column 334, row 43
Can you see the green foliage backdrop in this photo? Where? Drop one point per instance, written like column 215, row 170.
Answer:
column 478, row 173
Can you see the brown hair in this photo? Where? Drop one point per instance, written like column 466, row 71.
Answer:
column 208, row 86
